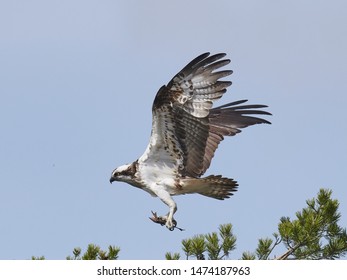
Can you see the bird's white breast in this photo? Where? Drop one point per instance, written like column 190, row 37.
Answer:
column 156, row 175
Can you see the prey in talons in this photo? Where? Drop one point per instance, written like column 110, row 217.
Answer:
column 162, row 221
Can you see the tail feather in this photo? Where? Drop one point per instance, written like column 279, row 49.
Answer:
column 214, row 186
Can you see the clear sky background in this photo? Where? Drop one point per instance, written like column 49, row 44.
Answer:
column 77, row 81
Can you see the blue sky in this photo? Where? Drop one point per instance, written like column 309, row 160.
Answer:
column 77, row 83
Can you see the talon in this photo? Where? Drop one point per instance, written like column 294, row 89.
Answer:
column 171, row 224
column 163, row 221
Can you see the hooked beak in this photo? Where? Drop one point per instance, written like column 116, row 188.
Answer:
column 112, row 180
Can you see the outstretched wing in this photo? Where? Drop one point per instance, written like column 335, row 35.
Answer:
column 185, row 130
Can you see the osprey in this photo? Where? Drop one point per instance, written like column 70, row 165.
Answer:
column 186, row 132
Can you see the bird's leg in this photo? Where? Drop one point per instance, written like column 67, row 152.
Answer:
column 168, row 220
column 162, row 221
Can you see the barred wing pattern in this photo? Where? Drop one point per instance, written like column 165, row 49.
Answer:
column 191, row 129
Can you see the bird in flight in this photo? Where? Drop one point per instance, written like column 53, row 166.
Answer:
column 186, row 132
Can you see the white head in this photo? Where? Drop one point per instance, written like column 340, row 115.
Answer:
column 124, row 173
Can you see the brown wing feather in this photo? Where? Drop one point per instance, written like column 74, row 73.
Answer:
column 196, row 86
column 192, row 134
column 227, row 120
column 188, row 98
